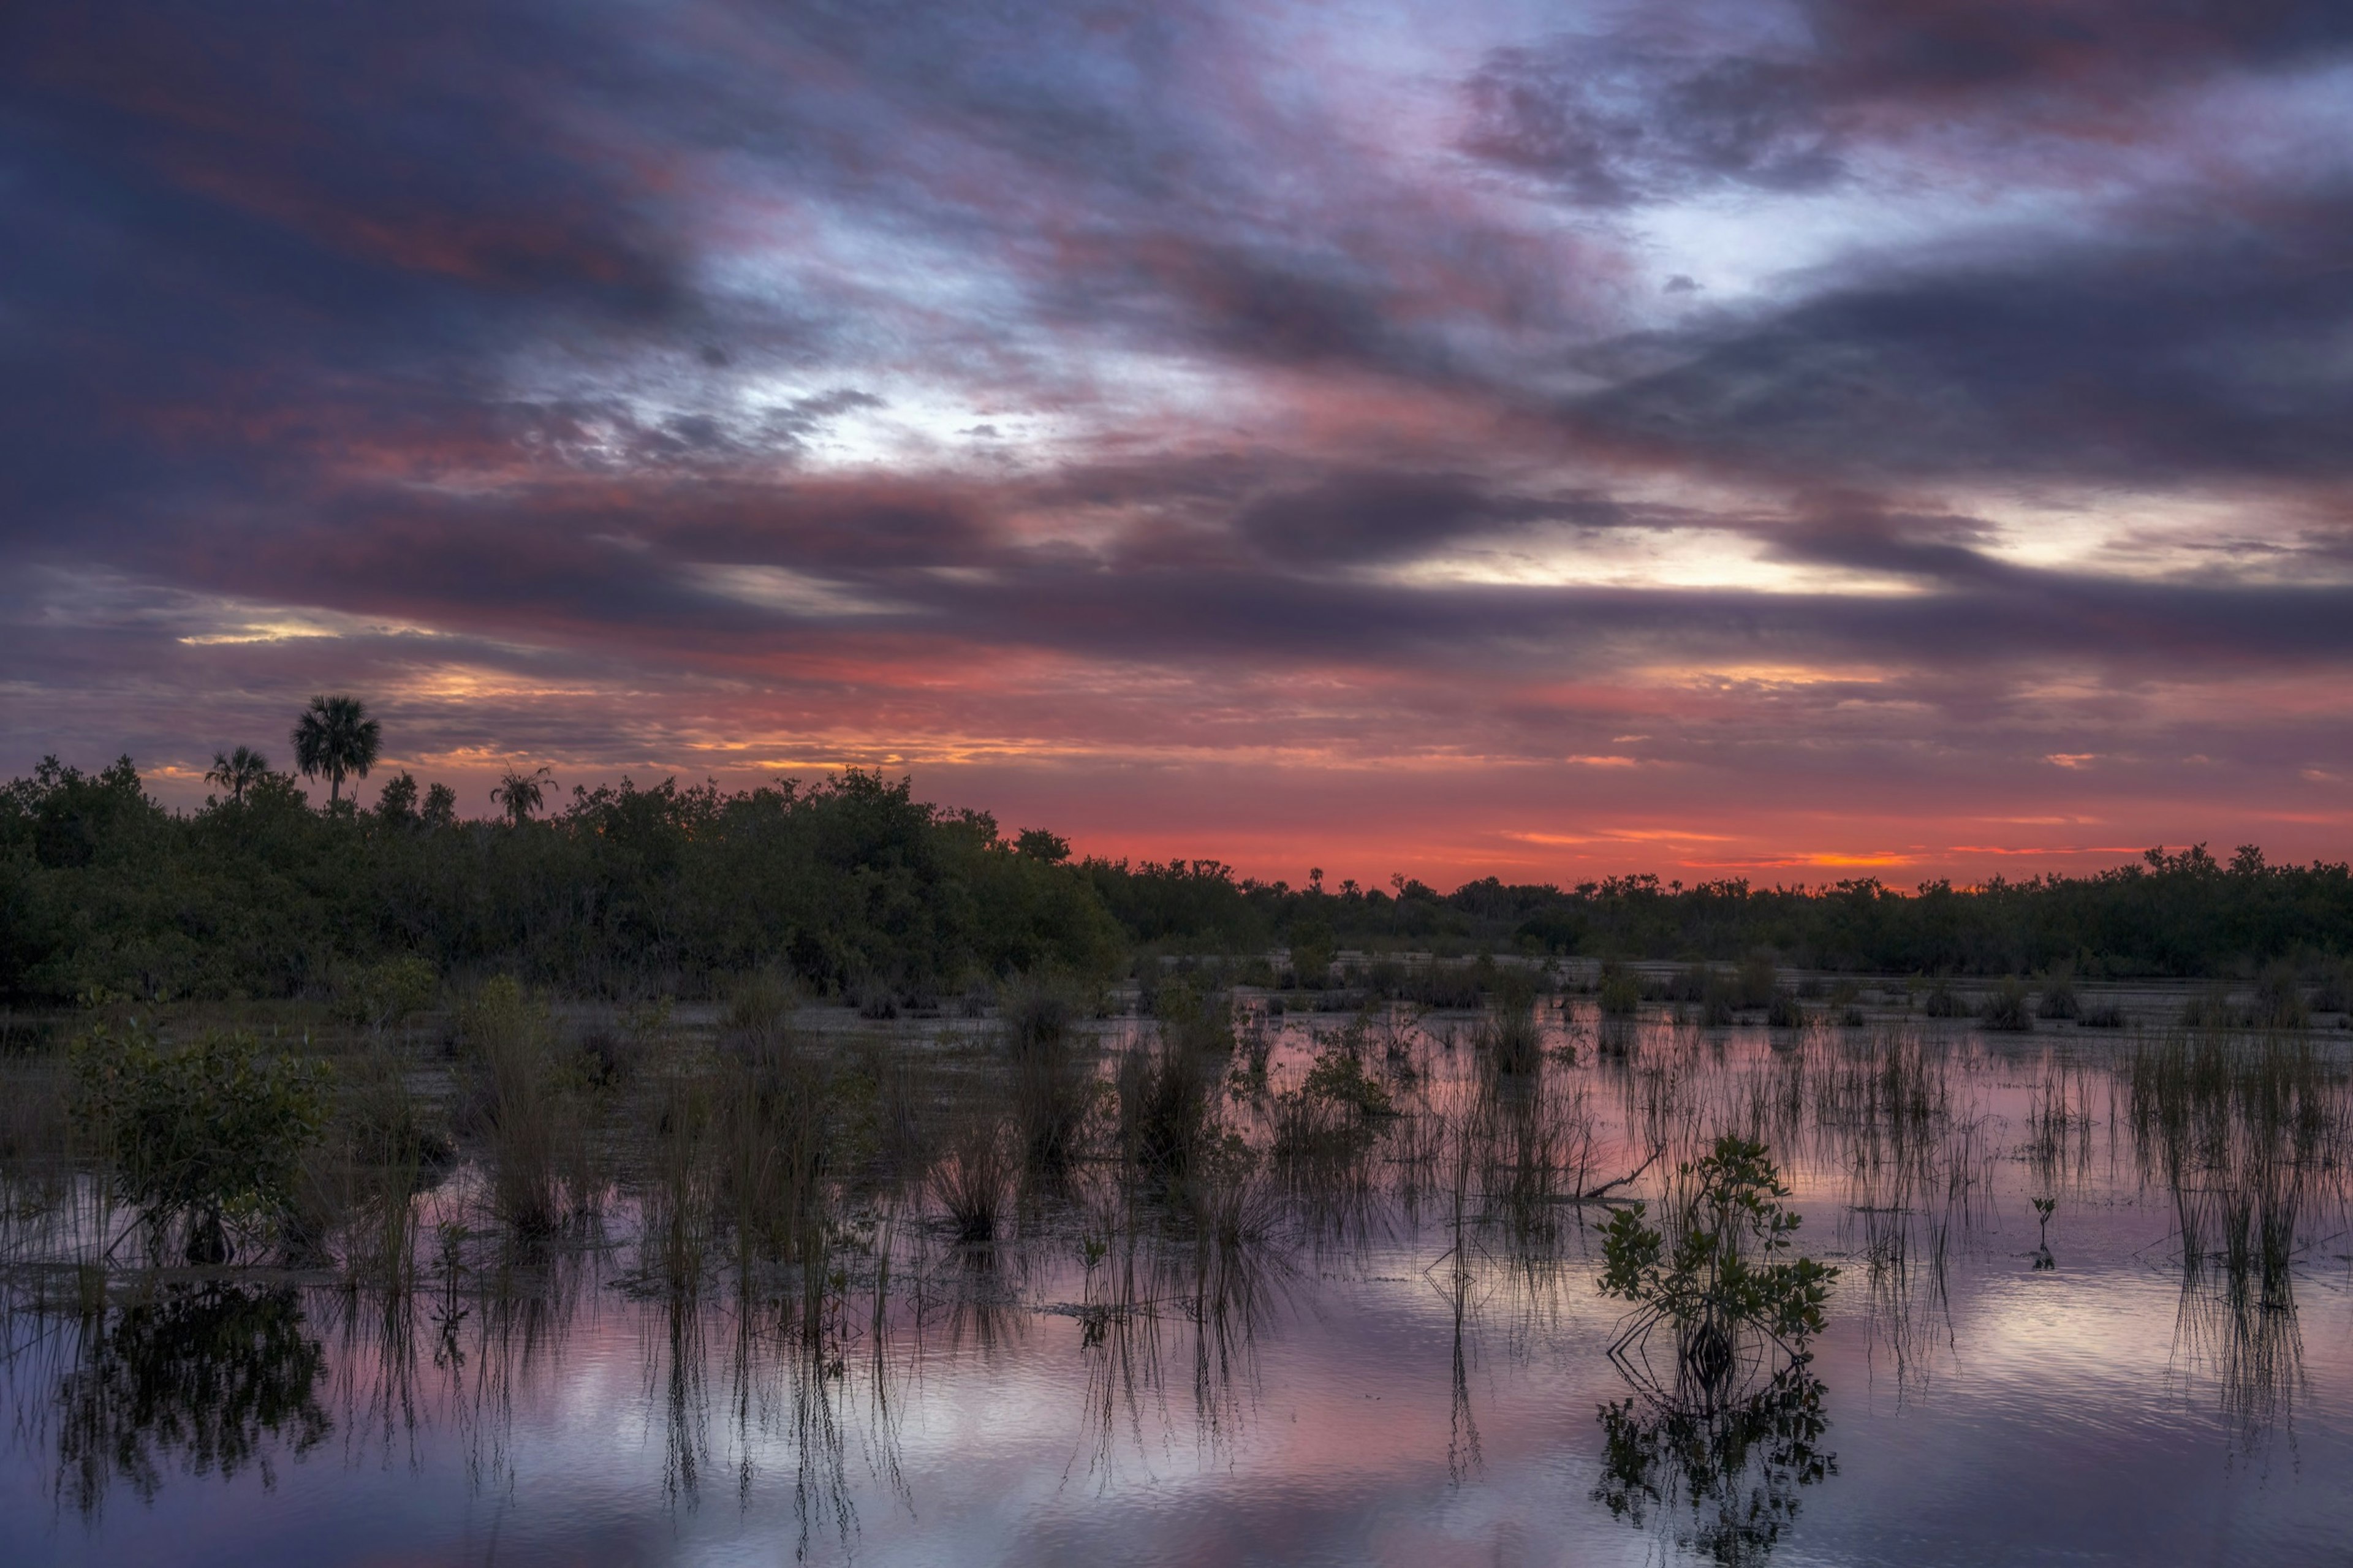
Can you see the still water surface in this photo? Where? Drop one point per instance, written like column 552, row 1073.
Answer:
column 1377, row 1383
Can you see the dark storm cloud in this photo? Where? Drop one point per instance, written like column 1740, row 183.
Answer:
column 2177, row 353
column 1652, row 111
column 251, row 243
column 1612, row 126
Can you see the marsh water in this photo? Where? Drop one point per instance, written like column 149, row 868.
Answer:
column 1405, row 1359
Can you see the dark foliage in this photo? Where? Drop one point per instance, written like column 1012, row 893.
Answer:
column 2182, row 913
column 214, row 1375
column 850, row 882
column 854, row 884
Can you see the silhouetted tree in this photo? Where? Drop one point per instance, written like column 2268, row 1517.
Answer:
column 334, row 737
column 521, row 794
column 238, row 770
column 397, row 801
column 1039, row 845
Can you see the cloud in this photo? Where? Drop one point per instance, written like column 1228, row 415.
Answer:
column 1218, row 412
column 1612, row 126
column 2149, row 357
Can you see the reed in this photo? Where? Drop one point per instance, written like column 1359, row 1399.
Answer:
column 516, row 1104
column 2006, row 1009
column 973, row 1184
column 773, row 1138
column 1052, row 1079
column 1164, row 1092
column 1511, row 1039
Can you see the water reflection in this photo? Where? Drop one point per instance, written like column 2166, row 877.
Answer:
column 215, row 1377
column 1722, row 1482
column 1115, row 1337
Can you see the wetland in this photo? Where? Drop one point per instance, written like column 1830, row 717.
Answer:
column 1183, row 1270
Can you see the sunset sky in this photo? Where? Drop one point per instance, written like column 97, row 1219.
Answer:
column 1894, row 438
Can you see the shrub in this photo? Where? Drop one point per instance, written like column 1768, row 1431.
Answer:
column 1786, row 1012
column 1757, row 981
column 761, row 1000
column 1719, row 1274
column 1341, row 1078
column 1944, row 1002
column 2211, row 1009
column 2279, row 1000
column 2006, row 1008
column 207, row 1136
column 1036, row 1012
column 382, row 995
column 1311, row 952
column 1621, row 991
column 2059, row 999
column 1328, row 1114
column 217, row 1373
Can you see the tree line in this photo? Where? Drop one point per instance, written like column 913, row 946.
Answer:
column 851, row 884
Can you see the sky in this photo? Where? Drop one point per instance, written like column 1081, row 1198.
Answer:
column 1905, row 438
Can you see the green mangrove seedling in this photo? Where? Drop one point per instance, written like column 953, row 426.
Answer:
column 1714, row 1275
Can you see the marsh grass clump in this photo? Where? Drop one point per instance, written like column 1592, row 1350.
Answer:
column 2212, row 1009
column 761, row 1001
column 2279, row 1002
column 974, row 1183
column 1757, row 981
column 1037, row 1011
column 2240, row 1129
column 2107, row 1015
column 1164, row 1093
column 2334, row 994
column 680, row 1206
column 394, row 1150
column 899, row 1105
column 2006, row 1009
column 206, row 1139
column 1944, row 1002
column 1785, row 1012
column 1052, row 1080
column 1527, row 1145
column 1510, row 1037
column 773, row 1138
column 518, row 1102
column 2058, row 1000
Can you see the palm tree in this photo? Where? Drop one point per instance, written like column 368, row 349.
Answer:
column 522, row 794
column 336, row 737
column 238, row 770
